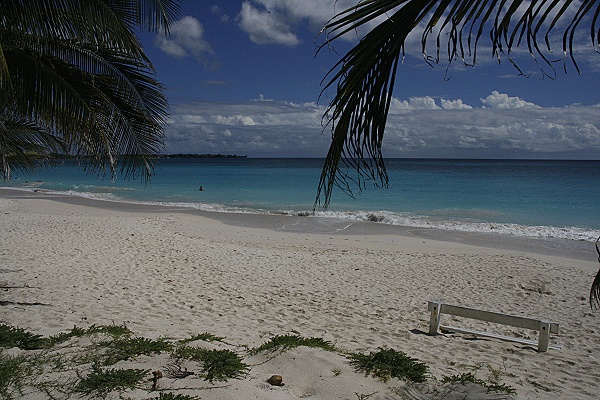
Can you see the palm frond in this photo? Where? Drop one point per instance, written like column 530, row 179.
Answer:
column 369, row 69
column 595, row 289
column 126, row 109
column 153, row 15
column 138, row 114
column 64, row 103
column 24, row 144
column 92, row 84
column 55, row 105
column 90, row 21
column 5, row 83
column 364, row 77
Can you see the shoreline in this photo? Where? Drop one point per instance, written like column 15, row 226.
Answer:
column 582, row 251
column 175, row 273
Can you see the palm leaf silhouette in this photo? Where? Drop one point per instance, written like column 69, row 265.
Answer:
column 75, row 70
column 364, row 77
column 595, row 290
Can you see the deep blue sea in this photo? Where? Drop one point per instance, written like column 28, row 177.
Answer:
column 520, row 197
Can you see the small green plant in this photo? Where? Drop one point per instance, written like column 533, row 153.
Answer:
column 122, row 349
column 216, row 364
column 64, row 336
column 175, row 370
column 463, row 378
column 222, row 364
column 493, row 385
column 111, row 330
column 501, row 388
column 206, row 337
column 387, row 363
column 336, row 372
column 101, row 382
column 115, row 331
column 15, row 372
column 18, row 337
column 171, row 396
column 286, row 342
column 188, row 353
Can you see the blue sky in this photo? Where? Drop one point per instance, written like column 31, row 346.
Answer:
column 243, row 78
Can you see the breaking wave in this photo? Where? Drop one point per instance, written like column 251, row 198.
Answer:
column 377, row 217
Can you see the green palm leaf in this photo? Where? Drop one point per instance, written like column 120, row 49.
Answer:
column 151, row 14
column 364, row 78
column 76, row 70
column 23, row 145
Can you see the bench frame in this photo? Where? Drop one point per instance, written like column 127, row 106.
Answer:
column 543, row 326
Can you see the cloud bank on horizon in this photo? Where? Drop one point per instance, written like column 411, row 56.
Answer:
column 500, row 125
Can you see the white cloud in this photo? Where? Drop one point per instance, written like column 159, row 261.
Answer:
column 524, row 131
column 255, row 128
column 417, row 127
column 423, row 103
column 469, row 142
column 316, row 12
column 277, row 21
column 215, row 9
column 414, row 103
column 186, row 40
column 194, row 119
column 265, row 27
column 426, row 103
column 243, row 120
column 261, row 97
column 454, row 105
column 499, row 100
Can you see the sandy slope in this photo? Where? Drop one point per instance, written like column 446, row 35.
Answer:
column 173, row 274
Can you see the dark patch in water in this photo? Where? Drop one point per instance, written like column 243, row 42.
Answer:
column 374, row 218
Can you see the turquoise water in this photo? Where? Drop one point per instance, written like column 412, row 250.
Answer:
column 520, row 197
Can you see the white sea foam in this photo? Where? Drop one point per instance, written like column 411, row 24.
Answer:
column 418, row 221
column 383, row 217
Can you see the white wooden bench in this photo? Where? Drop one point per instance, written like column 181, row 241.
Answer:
column 543, row 326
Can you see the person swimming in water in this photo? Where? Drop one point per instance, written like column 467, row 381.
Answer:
column 201, row 189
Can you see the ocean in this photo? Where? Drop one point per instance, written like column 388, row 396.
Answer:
column 534, row 198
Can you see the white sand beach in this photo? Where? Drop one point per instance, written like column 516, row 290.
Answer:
column 173, row 274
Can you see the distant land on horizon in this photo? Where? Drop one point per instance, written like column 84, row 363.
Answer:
column 186, row 155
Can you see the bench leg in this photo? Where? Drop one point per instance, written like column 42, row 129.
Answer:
column 544, row 340
column 434, row 320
